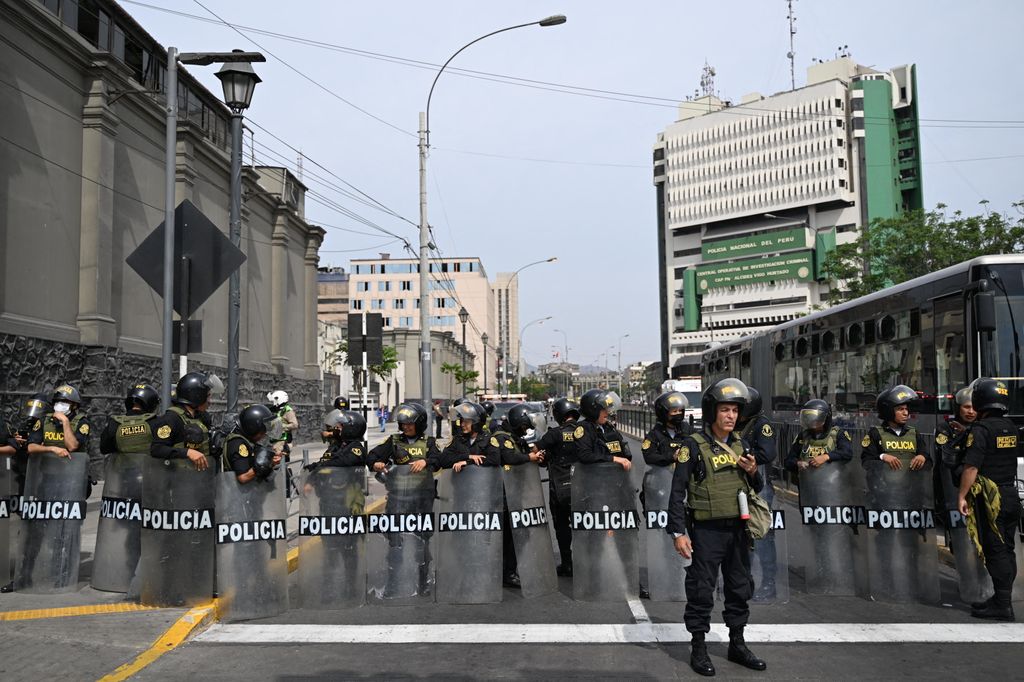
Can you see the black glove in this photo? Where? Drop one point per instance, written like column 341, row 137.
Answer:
column 263, row 462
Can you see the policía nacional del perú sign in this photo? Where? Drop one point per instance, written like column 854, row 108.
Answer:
column 790, row 266
column 752, row 245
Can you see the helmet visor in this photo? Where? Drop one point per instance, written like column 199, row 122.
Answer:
column 332, row 419
column 274, row 428
column 813, row 419
column 612, row 402
column 34, row 408
column 214, row 383
column 464, row 412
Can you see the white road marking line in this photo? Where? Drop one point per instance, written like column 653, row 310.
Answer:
column 636, row 607
column 575, row 633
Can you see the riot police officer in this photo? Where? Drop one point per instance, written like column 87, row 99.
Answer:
column 715, row 466
column 469, row 444
column 557, row 447
column 488, row 425
column 409, row 445
column 595, row 439
column 341, row 403
column 662, row 442
column 988, row 484
column 345, row 446
column 130, row 432
column 894, row 443
column 952, row 434
column 29, row 419
column 182, row 431
column 244, row 454
column 64, row 430
column 510, row 448
column 819, row 442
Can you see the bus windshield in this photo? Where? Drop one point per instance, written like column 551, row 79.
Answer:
column 1001, row 350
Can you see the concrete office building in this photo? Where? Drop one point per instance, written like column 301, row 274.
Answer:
column 82, row 169
column 505, row 292
column 751, row 197
column 332, row 295
column 391, row 287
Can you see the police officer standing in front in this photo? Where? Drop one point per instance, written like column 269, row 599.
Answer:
column 64, row 430
column 988, row 495
column 596, row 440
column 895, row 443
column 662, row 442
column 181, row 432
column 243, row 454
column 558, row 447
column 951, row 436
column 714, row 475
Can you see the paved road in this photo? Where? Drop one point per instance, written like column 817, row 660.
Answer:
column 811, row 637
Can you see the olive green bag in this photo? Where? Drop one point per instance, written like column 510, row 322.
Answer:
column 760, row 522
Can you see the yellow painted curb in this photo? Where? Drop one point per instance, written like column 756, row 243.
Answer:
column 93, row 610
column 198, row 617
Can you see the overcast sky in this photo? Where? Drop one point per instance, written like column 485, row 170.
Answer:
column 522, row 173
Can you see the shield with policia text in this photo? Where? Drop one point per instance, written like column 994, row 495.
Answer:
column 531, row 531
column 469, row 535
column 605, row 537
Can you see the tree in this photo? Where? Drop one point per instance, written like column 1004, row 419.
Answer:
column 533, row 388
column 916, row 243
column 450, row 368
column 383, row 370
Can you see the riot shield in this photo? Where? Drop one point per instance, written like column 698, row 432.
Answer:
column 605, row 538
column 252, row 547
column 830, row 538
column 7, row 490
column 469, row 536
column 531, row 532
column 120, row 524
column 973, row 581
column 401, row 563
column 332, row 538
column 769, row 562
column 899, row 515
column 666, row 569
column 52, row 510
column 178, row 539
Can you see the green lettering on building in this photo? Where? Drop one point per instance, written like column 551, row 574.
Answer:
column 790, row 266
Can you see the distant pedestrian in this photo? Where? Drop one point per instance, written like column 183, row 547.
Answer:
column 438, row 418
column 382, row 416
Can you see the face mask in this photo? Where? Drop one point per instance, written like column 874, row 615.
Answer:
column 62, row 407
column 676, row 419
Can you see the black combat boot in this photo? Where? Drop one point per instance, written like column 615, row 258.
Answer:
column 999, row 608
column 979, row 605
column 699, row 659
column 739, row 653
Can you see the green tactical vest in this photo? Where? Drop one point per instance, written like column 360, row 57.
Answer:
column 287, row 435
column 201, row 444
column 406, row 452
column 225, row 464
column 716, row 496
column 812, row 447
column 904, row 447
column 133, row 434
column 53, row 430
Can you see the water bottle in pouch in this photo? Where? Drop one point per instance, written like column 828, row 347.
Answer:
column 744, row 507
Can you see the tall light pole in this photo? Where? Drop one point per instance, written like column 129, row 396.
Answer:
column 519, row 342
column 463, row 318
column 565, row 337
column 425, row 244
column 508, row 319
column 484, row 339
column 620, row 362
column 239, row 82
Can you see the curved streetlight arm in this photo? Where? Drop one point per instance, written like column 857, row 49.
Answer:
column 472, row 42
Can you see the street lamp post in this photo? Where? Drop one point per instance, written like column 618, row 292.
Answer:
column 425, row 243
column 508, row 319
column 463, row 318
column 484, row 339
column 519, row 341
column 239, row 82
column 620, row 362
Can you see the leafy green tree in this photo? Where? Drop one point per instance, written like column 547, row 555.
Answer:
column 534, row 388
column 917, row 243
column 451, row 369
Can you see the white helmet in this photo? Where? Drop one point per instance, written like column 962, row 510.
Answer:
column 277, row 398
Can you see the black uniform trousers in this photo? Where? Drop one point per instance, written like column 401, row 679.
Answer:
column 718, row 545
column 561, row 513
column 1000, row 559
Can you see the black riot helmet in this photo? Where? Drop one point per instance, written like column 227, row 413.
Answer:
column 666, row 402
column 255, row 420
column 519, row 419
column 349, row 424
column 890, row 398
column 341, row 403
column 565, row 409
column 723, row 391
column 816, row 416
column 195, row 388
column 36, row 407
column 478, row 425
column 143, row 395
column 595, row 400
column 488, row 407
column 753, row 407
column 963, row 396
column 67, row 393
column 990, row 395
column 468, row 412
column 412, row 413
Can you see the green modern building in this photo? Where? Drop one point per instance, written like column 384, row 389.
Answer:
column 752, row 196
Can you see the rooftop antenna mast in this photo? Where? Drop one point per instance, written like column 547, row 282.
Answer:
column 299, row 165
column 792, row 51
column 707, row 82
